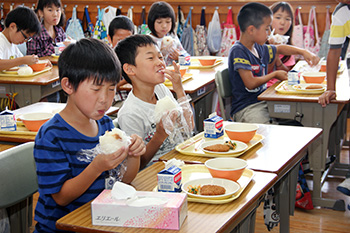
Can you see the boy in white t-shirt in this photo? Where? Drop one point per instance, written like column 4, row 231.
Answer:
column 20, row 25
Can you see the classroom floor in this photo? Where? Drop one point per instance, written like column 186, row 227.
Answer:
column 305, row 221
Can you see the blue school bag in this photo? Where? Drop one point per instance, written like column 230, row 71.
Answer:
column 187, row 35
column 100, row 31
column 74, row 28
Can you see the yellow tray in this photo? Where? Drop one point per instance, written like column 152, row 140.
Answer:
column 191, row 172
column 12, row 74
column 21, row 130
column 184, row 79
column 284, row 88
column 196, row 141
column 195, row 64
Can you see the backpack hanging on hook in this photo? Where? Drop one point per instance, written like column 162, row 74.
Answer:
column 214, row 33
column 74, row 28
column 100, row 31
column 201, row 36
column 143, row 28
column 229, row 35
column 187, row 39
column 89, row 31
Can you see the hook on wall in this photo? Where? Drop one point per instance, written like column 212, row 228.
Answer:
column 328, row 6
column 191, row 7
column 204, row 7
column 120, row 7
column 98, row 6
column 131, row 7
column 216, row 8
column 143, row 7
column 230, row 7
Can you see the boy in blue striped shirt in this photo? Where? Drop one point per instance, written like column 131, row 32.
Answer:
column 89, row 71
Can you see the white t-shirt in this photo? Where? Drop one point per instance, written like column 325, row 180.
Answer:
column 8, row 50
column 137, row 117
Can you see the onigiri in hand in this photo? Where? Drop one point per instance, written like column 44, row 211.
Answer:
column 167, row 40
column 163, row 105
column 111, row 141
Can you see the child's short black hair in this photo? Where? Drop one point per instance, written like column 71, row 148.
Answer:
column 24, row 18
column 160, row 10
column 126, row 50
column 89, row 58
column 120, row 22
column 41, row 4
column 252, row 13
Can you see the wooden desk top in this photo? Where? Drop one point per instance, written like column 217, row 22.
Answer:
column 222, row 217
column 281, row 149
column 38, row 107
column 342, row 87
column 200, row 78
column 45, row 78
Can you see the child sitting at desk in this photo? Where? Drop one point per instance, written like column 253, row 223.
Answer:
column 144, row 67
column 89, row 71
column 248, row 63
column 20, row 25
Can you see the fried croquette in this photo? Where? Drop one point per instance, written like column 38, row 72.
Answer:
column 211, row 190
column 217, row 148
column 314, row 87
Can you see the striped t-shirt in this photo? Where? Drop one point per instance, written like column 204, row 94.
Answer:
column 340, row 28
column 56, row 147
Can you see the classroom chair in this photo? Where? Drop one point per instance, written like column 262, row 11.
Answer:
column 224, row 89
column 18, row 183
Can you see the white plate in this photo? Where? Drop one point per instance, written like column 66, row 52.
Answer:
column 230, row 186
column 241, row 146
column 302, row 87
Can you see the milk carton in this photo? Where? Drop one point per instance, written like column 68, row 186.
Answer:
column 293, row 78
column 8, row 120
column 169, row 180
column 213, row 126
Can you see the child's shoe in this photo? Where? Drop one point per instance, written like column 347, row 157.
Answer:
column 344, row 187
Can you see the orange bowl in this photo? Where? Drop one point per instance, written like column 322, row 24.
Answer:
column 314, row 77
column 39, row 66
column 183, row 69
column 226, row 167
column 207, row 61
column 243, row 132
column 33, row 121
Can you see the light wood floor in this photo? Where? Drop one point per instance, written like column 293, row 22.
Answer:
column 309, row 221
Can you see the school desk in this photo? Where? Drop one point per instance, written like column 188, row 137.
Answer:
column 280, row 152
column 22, row 136
column 201, row 217
column 332, row 119
column 30, row 89
column 200, row 87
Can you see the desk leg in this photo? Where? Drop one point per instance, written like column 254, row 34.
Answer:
column 247, row 225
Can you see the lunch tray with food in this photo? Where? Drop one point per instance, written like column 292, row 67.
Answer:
column 21, row 131
column 195, row 64
column 193, row 172
column 184, row 79
column 15, row 74
column 193, row 146
column 303, row 88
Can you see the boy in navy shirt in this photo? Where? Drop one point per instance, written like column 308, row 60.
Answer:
column 248, row 62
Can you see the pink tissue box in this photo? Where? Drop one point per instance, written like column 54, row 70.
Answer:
column 107, row 211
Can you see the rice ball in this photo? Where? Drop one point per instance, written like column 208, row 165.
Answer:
column 26, row 70
column 167, row 40
column 163, row 105
column 111, row 141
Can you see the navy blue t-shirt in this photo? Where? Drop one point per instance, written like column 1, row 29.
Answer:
column 241, row 57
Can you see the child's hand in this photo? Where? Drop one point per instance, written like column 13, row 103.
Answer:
column 174, row 76
column 160, row 131
column 326, row 97
column 281, row 75
column 103, row 162
column 137, row 146
column 174, row 54
column 310, row 58
column 30, row 59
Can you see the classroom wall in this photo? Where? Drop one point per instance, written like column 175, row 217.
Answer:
column 210, row 6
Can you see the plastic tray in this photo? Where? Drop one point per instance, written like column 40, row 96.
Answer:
column 14, row 74
column 191, row 172
column 195, row 142
column 284, row 88
column 195, row 64
column 184, row 79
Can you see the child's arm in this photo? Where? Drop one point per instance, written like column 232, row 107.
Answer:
column 75, row 187
column 252, row 82
column 309, row 57
column 9, row 63
column 136, row 149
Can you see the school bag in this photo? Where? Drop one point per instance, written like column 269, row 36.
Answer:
column 100, row 31
column 229, row 35
column 324, row 47
column 109, row 13
column 187, row 39
column 74, row 28
column 143, row 28
column 201, row 36
column 311, row 38
column 214, row 33
column 298, row 34
column 88, row 24
column 179, row 22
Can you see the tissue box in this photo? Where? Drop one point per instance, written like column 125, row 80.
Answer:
column 213, row 126
column 8, row 121
column 169, row 180
column 107, row 211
